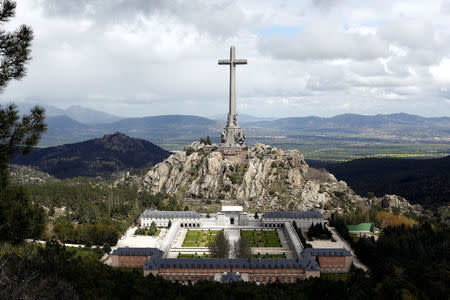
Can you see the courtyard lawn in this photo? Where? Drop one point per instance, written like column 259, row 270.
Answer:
column 199, row 238
column 181, row 255
column 268, row 255
column 261, row 238
column 335, row 276
column 145, row 231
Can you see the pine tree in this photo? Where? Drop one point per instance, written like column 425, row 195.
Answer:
column 19, row 217
column 220, row 247
column 15, row 47
column 153, row 229
column 242, row 248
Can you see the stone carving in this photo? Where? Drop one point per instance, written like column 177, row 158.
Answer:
column 232, row 135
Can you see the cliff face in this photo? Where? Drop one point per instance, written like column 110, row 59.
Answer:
column 270, row 179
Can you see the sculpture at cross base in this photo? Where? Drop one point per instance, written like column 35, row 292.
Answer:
column 232, row 135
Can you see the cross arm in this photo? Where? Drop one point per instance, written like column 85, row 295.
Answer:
column 240, row 61
column 224, row 62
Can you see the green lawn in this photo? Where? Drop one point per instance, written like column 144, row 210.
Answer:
column 335, row 276
column 199, row 238
column 181, row 255
column 268, row 255
column 145, row 231
column 261, row 238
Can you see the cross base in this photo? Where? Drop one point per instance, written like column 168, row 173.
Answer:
column 232, row 137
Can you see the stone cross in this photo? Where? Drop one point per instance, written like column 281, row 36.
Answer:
column 232, row 119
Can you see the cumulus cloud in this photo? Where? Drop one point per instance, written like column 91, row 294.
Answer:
column 326, row 41
column 312, row 57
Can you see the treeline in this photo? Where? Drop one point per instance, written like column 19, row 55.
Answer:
column 54, row 272
column 84, row 210
column 426, row 181
column 318, row 231
column 411, row 262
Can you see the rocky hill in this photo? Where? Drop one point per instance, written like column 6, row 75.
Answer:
column 24, row 175
column 98, row 157
column 270, row 179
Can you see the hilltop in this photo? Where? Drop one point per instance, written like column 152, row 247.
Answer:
column 271, row 179
column 97, row 157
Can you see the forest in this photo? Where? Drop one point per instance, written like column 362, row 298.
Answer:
column 92, row 212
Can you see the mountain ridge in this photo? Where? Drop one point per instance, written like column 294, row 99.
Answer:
column 97, row 157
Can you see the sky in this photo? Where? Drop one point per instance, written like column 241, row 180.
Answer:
column 137, row 58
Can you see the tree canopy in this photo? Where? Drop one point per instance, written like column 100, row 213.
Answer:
column 19, row 217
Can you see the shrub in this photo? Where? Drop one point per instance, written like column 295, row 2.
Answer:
column 189, row 150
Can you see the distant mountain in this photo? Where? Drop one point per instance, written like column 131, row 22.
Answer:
column 425, row 182
column 176, row 131
column 357, row 123
column 97, row 157
column 50, row 111
column 78, row 113
column 90, row 116
column 242, row 118
column 182, row 128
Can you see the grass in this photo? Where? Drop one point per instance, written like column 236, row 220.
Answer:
column 199, row 238
column 142, row 231
column 181, row 255
column 268, row 255
column 261, row 238
column 335, row 276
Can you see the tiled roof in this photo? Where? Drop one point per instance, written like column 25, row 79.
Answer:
column 153, row 252
column 165, row 214
column 327, row 252
column 222, row 263
column 309, row 214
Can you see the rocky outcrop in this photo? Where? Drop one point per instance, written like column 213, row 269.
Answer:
column 270, row 179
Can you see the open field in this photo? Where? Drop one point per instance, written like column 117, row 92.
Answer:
column 261, row 238
column 199, row 238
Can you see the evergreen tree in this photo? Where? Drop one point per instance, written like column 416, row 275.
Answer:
column 153, row 229
column 19, row 218
column 15, row 47
column 242, row 248
column 220, row 247
column 256, row 215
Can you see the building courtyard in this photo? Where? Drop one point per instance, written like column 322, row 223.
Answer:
column 181, row 253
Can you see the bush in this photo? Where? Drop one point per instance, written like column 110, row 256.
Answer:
column 189, row 150
column 227, row 188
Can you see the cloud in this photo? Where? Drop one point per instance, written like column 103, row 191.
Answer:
column 223, row 17
column 140, row 57
column 325, row 41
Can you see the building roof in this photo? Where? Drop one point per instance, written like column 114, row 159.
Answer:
column 165, row 214
column 306, row 263
column 138, row 252
column 231, row 277
column 327, row 252
column 309, row 214
column 361, row 227
column 232, row 208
